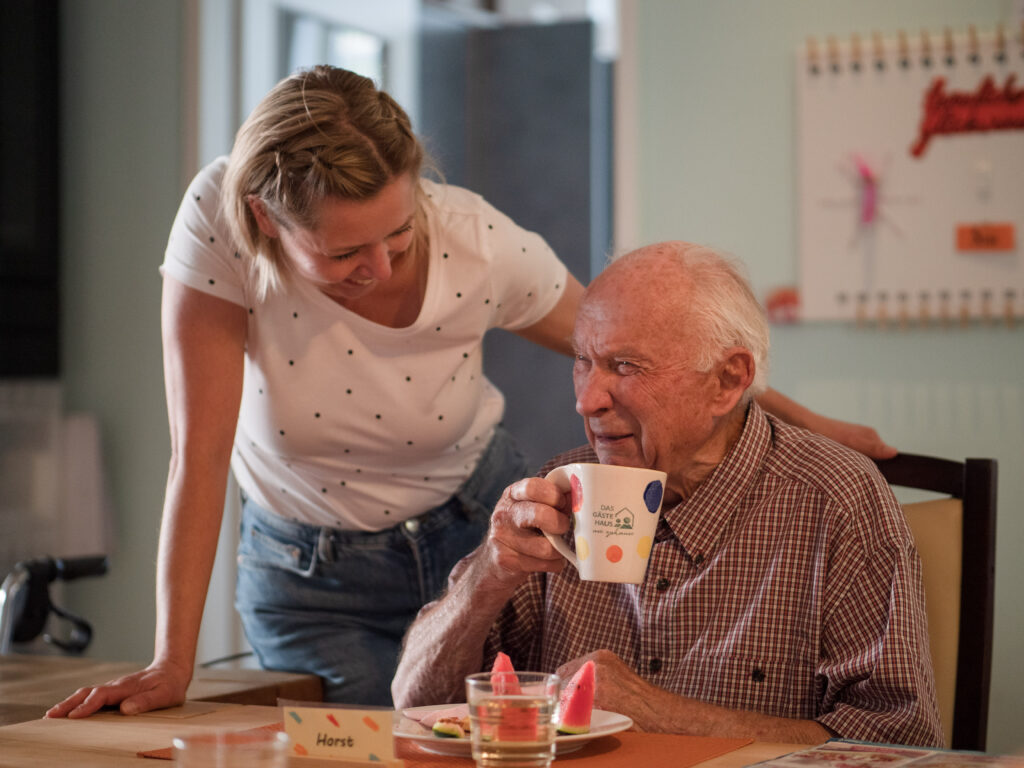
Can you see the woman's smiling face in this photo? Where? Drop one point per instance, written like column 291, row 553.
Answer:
column 350, row 250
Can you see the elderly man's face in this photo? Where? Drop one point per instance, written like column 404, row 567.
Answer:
column 641, row 402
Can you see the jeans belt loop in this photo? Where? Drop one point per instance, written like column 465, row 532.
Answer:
column 325, row 546
column 468, row 505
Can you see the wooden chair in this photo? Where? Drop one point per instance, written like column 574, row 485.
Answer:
column 955, row 537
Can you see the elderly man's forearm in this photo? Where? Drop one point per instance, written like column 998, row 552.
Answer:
column 668, row 713
column 448, row 637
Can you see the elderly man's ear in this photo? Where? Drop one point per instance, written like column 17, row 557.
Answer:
column 735, row 373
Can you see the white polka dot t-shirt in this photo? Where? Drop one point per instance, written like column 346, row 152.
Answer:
column 352, row 424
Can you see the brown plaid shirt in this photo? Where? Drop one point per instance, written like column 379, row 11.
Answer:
column 787, row 584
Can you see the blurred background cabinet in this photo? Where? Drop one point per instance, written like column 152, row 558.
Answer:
column 521, row 114
column 30, row 189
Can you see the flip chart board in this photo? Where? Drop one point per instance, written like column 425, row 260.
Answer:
column 911, row 177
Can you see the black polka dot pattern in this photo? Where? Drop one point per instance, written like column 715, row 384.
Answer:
column 329, row 395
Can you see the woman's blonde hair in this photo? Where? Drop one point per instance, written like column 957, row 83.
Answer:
column 320, row 133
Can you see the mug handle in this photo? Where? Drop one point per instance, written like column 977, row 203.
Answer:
column 560, row 477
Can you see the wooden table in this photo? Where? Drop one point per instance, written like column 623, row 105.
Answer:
column 29, row 685
column 232, row 700
column 110, row 740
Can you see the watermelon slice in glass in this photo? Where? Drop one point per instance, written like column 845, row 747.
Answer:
column 503, row 676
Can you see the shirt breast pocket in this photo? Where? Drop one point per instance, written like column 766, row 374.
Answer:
column 783, row 688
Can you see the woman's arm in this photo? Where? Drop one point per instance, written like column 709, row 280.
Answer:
column 863, row 439
column 554, row 330
column 203, row 340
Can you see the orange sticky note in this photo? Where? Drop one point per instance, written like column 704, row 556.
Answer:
column 985, row 237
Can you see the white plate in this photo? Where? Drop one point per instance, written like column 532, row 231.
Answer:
column 601, row 724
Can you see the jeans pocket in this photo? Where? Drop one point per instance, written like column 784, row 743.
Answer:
column 265, row 548
column 501, row 465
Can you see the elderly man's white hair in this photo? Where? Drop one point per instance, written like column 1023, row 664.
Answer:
column 721, row 307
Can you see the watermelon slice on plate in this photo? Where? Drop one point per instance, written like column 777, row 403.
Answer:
column 576, row 702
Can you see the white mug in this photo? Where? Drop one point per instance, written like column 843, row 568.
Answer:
column 615, row 513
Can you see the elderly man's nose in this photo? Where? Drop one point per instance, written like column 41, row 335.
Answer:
column 591, row 395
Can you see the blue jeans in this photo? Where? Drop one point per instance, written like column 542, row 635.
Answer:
column 337, row 603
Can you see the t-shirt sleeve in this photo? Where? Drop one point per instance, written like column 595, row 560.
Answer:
column 527, row 276
column 200, row 253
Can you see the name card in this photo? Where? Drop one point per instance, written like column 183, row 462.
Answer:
column 339, row 733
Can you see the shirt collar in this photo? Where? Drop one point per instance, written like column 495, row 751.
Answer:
column 698, row 521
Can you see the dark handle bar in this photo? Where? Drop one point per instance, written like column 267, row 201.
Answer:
column 47, row 569
column 75, row 567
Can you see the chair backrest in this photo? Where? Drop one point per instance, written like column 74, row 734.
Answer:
column 955, row 537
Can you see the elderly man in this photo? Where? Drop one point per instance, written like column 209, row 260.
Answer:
column 782, row 599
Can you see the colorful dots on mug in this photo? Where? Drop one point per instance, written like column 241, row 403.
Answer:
column 582, row 548
column 652, row 496
column 613, row 553
column 643, row 547
column 577, row 493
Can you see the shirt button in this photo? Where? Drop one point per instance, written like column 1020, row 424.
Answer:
column 412, row 525
column 698, row 559
column 662, row 584
column 757, row 676
column 654, row 666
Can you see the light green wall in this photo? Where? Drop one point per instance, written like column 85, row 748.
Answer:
column 121, row 158
column 716, row 164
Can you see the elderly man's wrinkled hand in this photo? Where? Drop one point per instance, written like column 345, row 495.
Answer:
column 617, row 687
column 515, row 544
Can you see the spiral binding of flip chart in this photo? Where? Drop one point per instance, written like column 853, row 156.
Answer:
column 911, row 177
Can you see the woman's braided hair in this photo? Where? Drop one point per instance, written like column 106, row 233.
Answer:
column 323, row 132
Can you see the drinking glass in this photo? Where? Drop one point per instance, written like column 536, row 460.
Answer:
column 512, row 718
column 248, row 749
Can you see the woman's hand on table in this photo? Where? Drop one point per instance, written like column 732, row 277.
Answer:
column 155, row 687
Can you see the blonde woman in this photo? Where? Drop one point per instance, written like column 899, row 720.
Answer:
column 324, row 307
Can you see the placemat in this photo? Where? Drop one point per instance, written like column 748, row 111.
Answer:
column 651, row 750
